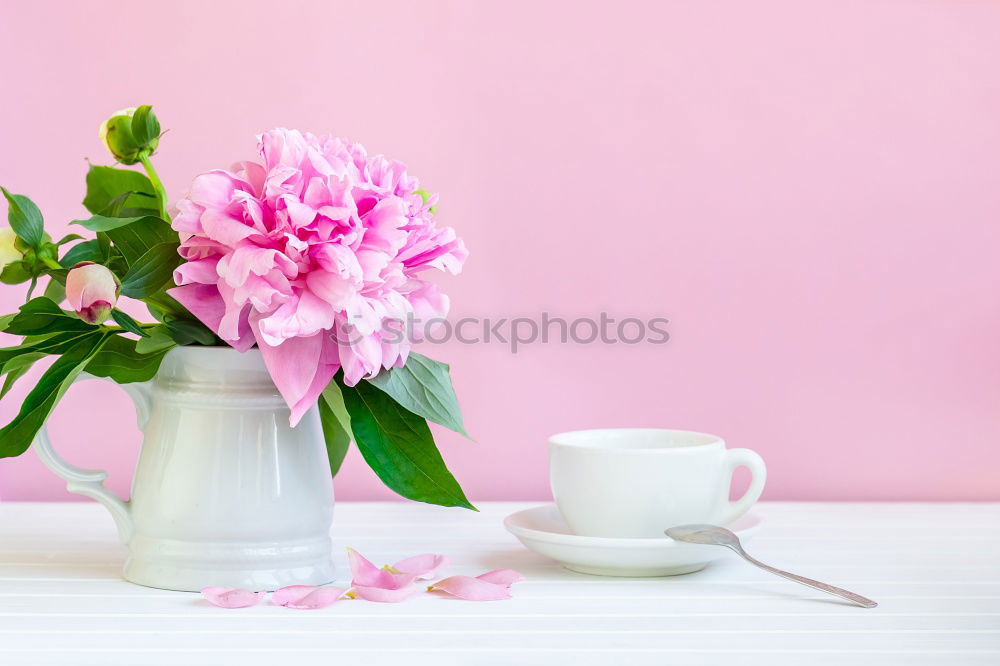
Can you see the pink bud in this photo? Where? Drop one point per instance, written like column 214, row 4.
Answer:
column 92, row 291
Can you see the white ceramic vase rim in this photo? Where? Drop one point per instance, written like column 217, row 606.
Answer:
column 221, row 366
column 203, row 351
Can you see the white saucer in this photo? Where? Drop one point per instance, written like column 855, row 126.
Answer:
column 543, row 530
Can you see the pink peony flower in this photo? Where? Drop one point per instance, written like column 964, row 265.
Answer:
column 92, row 291
column 312, row 254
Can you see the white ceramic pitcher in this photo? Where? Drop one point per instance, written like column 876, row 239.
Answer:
column 225, row 492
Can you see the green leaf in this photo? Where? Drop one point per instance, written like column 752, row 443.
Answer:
column 187, row 332
column 86, row 251
column 120, row 360
column 338, row 430
column 423, row 386
column 41, row 315
column 15, row 273
column 59, row 275
column 55, row 291
column 157, row 338
column 163, row 307
column 116, row 206
column 105, row 223
column 128, row 191
column 68, row 238
column 398, row 446
column 15, row 369
column 57, row 343
column 24, row 218
column 136, row 239
column 334, row 399
column 129, row 324
column 5, row 320
column 337, row 439
column 145, row 126
column 46, row 344
column 151, row 272
column 16, row 436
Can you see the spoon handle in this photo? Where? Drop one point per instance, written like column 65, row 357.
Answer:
column 829, row 589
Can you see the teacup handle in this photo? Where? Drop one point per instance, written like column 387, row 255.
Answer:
column 90, row 482
column 758, row 475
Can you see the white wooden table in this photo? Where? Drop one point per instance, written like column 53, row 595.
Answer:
column 934, row 569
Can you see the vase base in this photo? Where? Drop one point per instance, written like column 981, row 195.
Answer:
column 190, row 579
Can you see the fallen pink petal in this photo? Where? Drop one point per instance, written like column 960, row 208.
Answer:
column 231, row 597
column 423, row 566
column 373, row 584
column 382, row 595
column 470, row 589
column 490, row 586
column 364, row 574
column 307, row 597
column 506, row 577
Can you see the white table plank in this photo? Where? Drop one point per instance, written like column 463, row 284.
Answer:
column 932, row 567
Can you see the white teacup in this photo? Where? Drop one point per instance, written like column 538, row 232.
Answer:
column 637, row 482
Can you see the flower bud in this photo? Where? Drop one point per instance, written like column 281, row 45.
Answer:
column 8, row 251
column 127, row 141
column 92, row 291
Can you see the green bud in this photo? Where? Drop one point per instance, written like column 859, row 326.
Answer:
column 48, row 254
column 29, row 255
column 130, row 134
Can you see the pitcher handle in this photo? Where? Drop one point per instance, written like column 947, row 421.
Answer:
column 90, row 482
column 758, row 475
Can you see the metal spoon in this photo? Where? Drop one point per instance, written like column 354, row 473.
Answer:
column 720, row 536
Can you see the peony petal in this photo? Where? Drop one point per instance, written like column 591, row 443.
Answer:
column 307, row 597
column 221, row 226
column 200, row 271
column 187, row 217
column 471, row 589
column 384, row 227
column 360, row 356
column 367, row 575
column 213, row 189
column 234, row 325
column 333, row 289
column 300, row 368
column 253, row 173
column 298, row 317
column 381, row 594
column 361, row 567
column 231, row 597
column 422, row 566
column 505, row 577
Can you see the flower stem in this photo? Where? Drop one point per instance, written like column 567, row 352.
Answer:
column 119, row 329
column 154, row 178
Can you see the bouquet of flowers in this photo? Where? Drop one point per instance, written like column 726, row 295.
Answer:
column 316, row 255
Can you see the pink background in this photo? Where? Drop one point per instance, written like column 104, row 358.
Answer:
column 809, row 191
